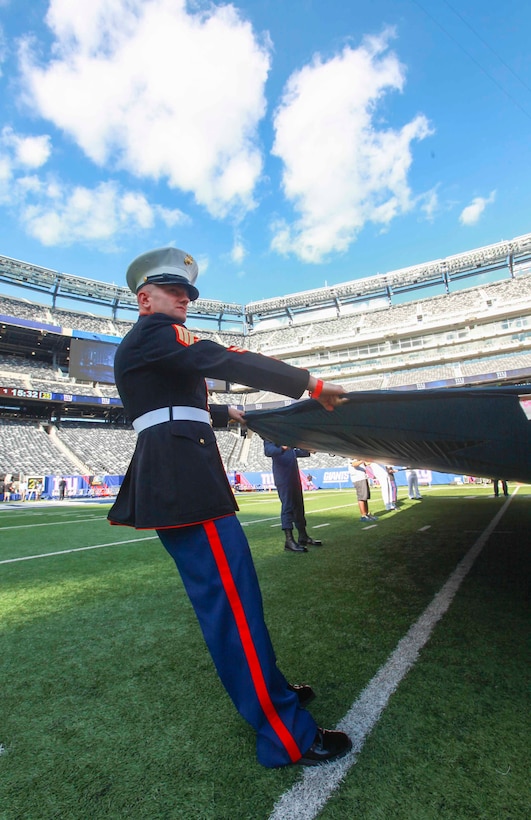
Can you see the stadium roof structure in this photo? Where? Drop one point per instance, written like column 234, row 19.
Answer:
column 68, row 286
column 503, row 255
column 506, row 255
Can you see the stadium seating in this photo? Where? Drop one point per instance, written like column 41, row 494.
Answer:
column 103, row 448
column 86, row 322
column 24, row 309
column 472, row 334
column 26, row 447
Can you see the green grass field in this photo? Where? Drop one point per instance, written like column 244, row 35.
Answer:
column 111, row 707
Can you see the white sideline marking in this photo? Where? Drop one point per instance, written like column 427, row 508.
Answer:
column 53, row 523
column 309, row 794
column 114, row 543
column 337, row 507
column 77, row 549
column 319, row 526
column 427, row 527
column 272, row 517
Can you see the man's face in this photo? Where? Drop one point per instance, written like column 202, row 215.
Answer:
column 173, row 300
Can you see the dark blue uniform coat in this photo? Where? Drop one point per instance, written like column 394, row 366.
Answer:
column 176, row 475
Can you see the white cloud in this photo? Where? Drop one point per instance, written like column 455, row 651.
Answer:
column 472, row 213
column 157, row 91
column 29, row 184
column 32, row 152
column 25, row 152
column 202, row 263
column 171, row 216
column 59, row 214
column 28, row 152
column 10, row 165
column 341, row 169
column 238, row 252
column 64, row 216
column 429, row 203
column 6, row 173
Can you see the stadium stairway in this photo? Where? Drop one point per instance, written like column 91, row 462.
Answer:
column 80, row 467
column 243, row 455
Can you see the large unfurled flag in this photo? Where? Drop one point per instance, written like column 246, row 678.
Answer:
column 480, row 431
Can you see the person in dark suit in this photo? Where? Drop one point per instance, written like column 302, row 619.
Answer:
column 496, row 482
column 289, row 488
column 62, row 488
column 176, row 484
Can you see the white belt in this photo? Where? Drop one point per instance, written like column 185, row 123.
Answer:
column 170, row 414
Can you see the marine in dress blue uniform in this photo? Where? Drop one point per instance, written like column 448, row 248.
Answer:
column 177, row 485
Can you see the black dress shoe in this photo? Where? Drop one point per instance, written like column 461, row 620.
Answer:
column 292, row 546
column 327, row 746
column 304, row 693
column 307, row 541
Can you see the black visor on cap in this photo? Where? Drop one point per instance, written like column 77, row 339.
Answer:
column 170, row 279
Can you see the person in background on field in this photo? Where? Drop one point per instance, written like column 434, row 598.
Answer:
column 496, row 482
column 392, row 481
column 23, row 489
column 358, row 476
column 160, row 371
column 382, row 476
column 62, row 488
column 413, row 485
column 289, row 488
column 310, row 485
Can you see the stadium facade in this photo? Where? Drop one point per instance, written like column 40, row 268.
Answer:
column 461, row 320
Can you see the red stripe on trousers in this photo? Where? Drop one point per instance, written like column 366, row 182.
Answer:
column 248, row 645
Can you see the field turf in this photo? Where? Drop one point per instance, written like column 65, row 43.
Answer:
column 111, row 707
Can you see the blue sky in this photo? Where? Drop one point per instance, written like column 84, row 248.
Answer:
column 285, row 145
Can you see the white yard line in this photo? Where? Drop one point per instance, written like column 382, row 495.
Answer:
column 310, row 512
column 78, row 549
column 309, row 795
column 51, row 523
column 113, row 543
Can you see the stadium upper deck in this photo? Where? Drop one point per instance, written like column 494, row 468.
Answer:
column 392, row 334
column 507, row 258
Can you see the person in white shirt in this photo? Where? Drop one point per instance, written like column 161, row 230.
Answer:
column 381, row 474
column 413, row 485
column 358, row 476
